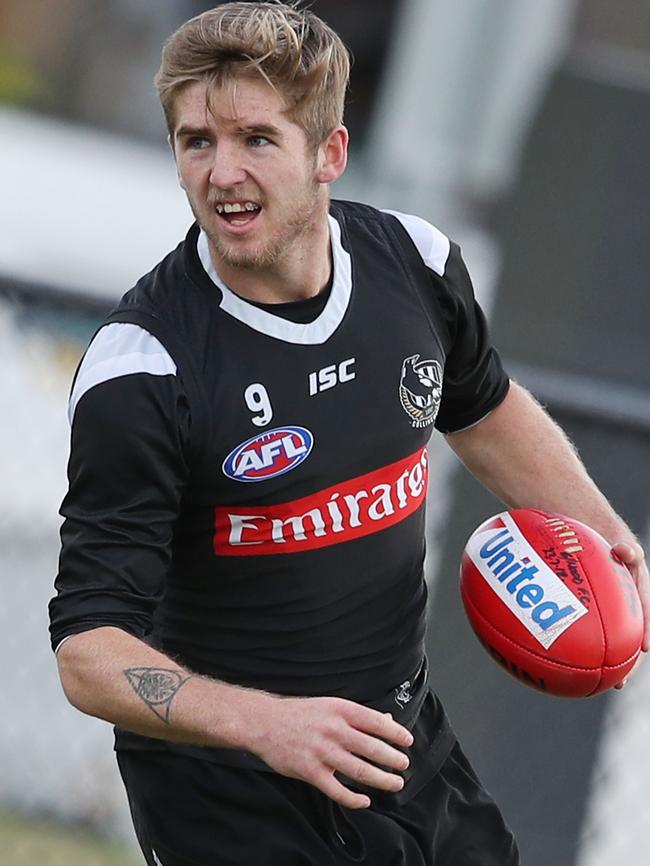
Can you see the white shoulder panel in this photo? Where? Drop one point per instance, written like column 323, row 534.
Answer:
column 432, row 245
column 119, row 349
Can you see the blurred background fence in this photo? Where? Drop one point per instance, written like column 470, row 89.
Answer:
column 520, row 128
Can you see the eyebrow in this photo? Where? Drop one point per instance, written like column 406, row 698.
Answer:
column 252, row 129
column 259, row 129
column 197, row 131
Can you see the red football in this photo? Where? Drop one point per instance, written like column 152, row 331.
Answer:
column 551, row 603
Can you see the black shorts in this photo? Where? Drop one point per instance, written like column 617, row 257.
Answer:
column 188, row 812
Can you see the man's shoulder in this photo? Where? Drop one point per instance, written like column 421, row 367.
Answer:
column 354, row 210
column 432, row 244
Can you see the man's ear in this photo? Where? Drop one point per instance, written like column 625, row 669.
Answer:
column 332, row 156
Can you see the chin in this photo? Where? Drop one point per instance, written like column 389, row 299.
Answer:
column 253, row 257
column 244, row 261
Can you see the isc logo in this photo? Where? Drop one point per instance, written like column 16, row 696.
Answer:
column 328, row 377
column 539, row 599
column 271, row 453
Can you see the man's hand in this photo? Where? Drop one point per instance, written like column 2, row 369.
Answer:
column 521, row 455
column 313, row 738
column 305, row 738
column 631, row 554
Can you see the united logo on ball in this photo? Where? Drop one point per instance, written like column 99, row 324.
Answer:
column 551, row 603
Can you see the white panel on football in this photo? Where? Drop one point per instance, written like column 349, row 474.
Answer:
column 539, row 599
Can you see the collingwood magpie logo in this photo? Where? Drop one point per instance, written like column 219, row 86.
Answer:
column 420, row 389
column 403, row 694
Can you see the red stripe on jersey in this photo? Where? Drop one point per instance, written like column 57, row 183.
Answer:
column 361, row 506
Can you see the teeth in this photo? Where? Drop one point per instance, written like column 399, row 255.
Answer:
column 237, row 207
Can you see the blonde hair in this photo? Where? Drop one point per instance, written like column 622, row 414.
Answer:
column 291, row 49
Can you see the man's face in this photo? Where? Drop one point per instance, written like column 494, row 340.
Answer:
column 244, row 153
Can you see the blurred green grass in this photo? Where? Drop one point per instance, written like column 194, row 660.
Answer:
column 35, row 842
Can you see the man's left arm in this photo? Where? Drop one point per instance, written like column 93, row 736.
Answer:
column 521, row 455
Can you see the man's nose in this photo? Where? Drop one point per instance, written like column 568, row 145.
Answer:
column 227, row 168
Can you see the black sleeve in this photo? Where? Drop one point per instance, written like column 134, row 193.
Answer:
column 474, row 381
column 126, row 475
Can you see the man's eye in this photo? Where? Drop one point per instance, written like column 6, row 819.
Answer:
column 198, row 143
column 258, row 141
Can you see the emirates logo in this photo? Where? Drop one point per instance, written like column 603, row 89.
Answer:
column 349, row 510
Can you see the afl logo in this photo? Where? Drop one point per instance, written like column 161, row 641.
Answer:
column 271, row 453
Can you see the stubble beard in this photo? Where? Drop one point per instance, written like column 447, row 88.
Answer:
column 268, row 254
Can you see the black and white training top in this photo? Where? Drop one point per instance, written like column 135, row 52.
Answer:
column 247, row 492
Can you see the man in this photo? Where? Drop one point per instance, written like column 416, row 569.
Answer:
column 240, row 588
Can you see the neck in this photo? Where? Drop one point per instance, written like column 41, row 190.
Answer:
column 302, row 272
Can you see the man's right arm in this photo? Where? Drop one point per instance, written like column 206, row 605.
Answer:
column 108, row 673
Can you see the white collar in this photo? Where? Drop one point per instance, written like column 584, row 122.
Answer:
column 311, row 333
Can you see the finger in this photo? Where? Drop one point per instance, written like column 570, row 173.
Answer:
column 378, row 751
column 633, row 558
column 380, row 724
column 643, row 587
column 364, row 773
column 331, row 787
column 644, row 595
column 627, row 552
column 642, row 580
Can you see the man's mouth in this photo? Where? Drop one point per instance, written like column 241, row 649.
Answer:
column 238, row 213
